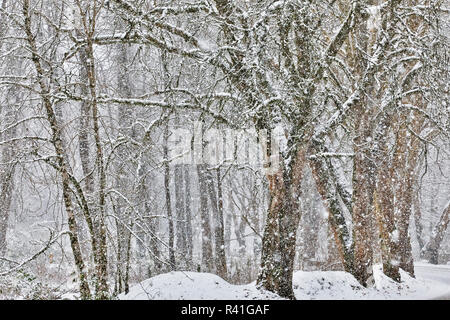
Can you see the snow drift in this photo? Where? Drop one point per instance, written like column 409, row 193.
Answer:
column 307, row 286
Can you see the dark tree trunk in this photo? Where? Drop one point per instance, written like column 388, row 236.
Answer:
column 167, row 193
column 7, row 169
column 188, row 215
column 125, row 225
column 219, row 244
column 207, row 253
column 180, row 213
column 384, row 200
column 363, row 188
column 418, row 218
column 437, row 235
column 57, row 141
column 280, row 232
column 326, row 184
column 405, row 210
column 220, row 239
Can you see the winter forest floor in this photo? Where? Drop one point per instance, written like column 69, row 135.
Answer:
column 431, row 282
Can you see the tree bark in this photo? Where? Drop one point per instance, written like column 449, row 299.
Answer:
column 180, row 213
column 437, row 235
column 207, row 253
column 327, row 188
column 7, row 170
column 60, row 152
column 280, row 232
column 362, row 202
column 384, row 203
column 168, row 200
column 188, row 215
column 219, row 244
column 123, row 227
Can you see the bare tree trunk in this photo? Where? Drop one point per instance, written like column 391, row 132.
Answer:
column 180, row 213
column 280, row 233
column 363, row 180
column 102, row 291
column 384, row 204
column 167, row 193
column 256, row 201
column 363, row 188
column 437, row 235
column 406, row 257
column 228, row 222
column 309, row 226
column 386, row 223
column 123, row 180
column 219, row 244
column 90, row 210
column 85, row 121
column 407, row 160
column 418, row 218
column 148, row 230
column 327, row 187
column 85, row 154
column 220, row 229
column 7, row 156
column 188, row 215
column 239, row 232
column 7, row 170
column 154, row 245
column 403, row 162
column 60, row 151
column 334, row 259
column 207, row 253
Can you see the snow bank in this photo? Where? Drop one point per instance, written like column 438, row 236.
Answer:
column 325, row 285
column 308, row 285
column 193, row 286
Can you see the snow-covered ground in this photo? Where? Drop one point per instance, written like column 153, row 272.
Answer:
column 432, row 282
column 435, row 273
